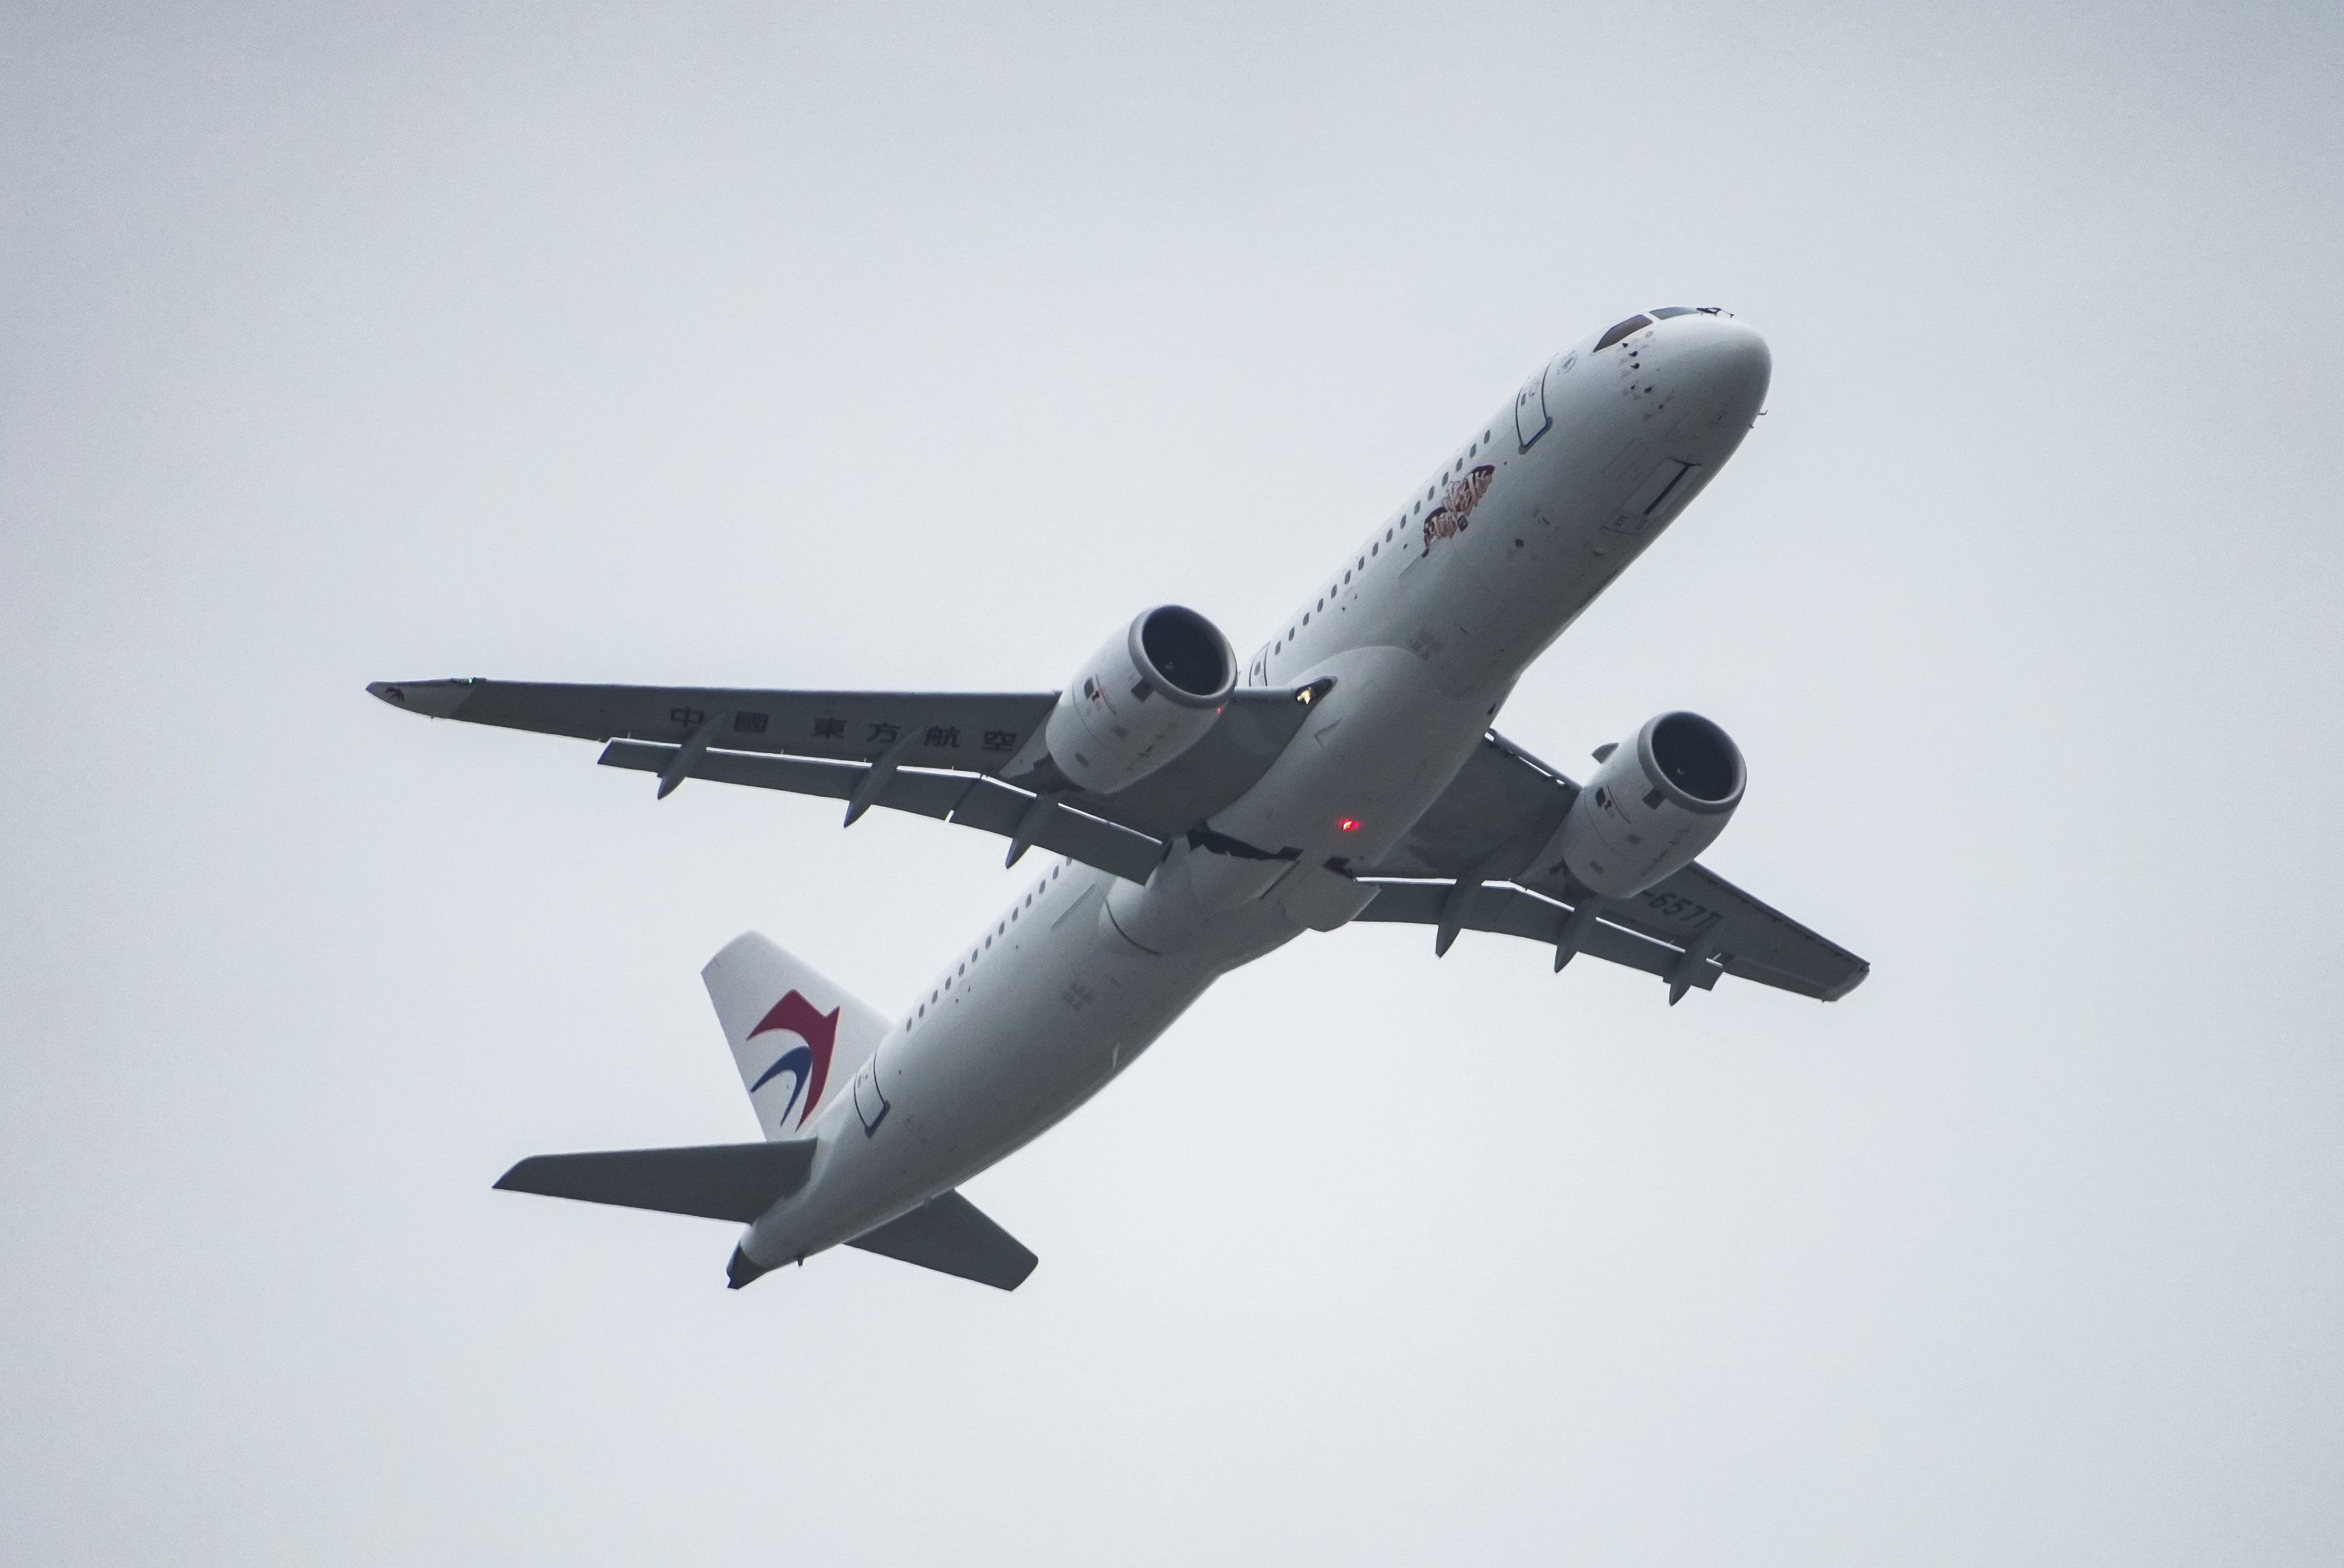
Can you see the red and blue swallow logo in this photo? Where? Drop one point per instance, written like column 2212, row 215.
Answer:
column 807, row 1063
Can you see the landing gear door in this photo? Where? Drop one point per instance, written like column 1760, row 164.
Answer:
column 1663, row 492
column 1531, row 417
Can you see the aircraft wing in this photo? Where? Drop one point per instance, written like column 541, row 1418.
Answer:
column 1468, row 865
column 946, row 755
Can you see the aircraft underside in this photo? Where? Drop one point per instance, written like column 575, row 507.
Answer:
column 1199, row 813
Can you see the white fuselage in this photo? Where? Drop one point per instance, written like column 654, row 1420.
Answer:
column 1424, row 629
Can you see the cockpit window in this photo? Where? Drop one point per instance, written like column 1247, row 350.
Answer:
column 1665, row 311
column 1617, row 333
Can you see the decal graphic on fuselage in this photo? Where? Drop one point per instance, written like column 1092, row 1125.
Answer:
column 1449, row 519
column 808, row 1064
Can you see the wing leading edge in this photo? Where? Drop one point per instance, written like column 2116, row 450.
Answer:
column 975, row 732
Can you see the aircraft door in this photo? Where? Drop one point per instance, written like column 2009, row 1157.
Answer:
column 1531, row 417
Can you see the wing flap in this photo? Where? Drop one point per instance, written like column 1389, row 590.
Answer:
column 962, row 798
column 1510, row 911
column 950, row 1235
column 735, row 1181
column 1761, row 943
column 993, row 807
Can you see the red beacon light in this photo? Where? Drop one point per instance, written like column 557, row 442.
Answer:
column 1349, row 824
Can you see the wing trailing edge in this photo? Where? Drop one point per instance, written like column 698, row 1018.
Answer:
column 967, row 801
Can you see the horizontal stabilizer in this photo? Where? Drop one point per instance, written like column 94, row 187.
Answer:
column 734, row 1181
column 950, row 1235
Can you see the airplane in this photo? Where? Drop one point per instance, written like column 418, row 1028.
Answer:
column 1203, row 813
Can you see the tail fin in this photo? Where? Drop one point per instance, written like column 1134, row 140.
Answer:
column 794, row 1033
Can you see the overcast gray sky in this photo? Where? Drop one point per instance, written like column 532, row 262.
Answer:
column 896, row 346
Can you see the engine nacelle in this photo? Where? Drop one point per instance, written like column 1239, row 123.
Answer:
column 1653, row 805
column 1141, row 700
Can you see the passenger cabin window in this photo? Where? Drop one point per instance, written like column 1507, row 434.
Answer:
column 1617, row 333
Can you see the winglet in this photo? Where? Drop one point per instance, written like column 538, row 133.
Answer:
column 1856, row 977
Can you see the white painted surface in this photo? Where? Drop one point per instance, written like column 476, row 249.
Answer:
column 1028, row 1023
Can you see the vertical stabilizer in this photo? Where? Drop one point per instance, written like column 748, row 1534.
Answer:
column 797, row 1036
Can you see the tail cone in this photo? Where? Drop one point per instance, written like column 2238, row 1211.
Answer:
column 742, row 1270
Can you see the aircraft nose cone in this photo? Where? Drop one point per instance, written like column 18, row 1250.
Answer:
column 1730, row 360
